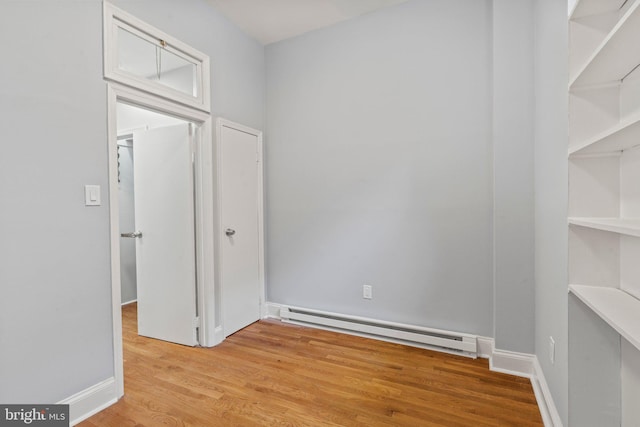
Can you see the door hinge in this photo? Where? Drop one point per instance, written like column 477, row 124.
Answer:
column 196, row 322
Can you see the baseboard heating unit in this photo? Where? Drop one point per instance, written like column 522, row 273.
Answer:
column 417, row 336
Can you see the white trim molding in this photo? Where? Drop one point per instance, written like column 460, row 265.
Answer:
column 115, row 19
column 548, row 410
column 272, row 311
column 90, row 401
column 218, row 335
column 485, row 347
column 205, row 248
column 527, row 365
column 512, row 363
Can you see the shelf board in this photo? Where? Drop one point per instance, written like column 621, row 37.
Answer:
column 616, row 307
column 622, row 136
column 626, row 226
column 616, row 56
column 584, row 8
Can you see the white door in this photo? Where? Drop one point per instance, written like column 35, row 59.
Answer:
column 241, row 194
column 164, row 214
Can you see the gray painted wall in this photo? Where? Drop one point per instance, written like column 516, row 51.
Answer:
column 595, row 393
column 55, row 301
column 513, row 174
column 550, row 159
column 55, row 308
column 379, row 166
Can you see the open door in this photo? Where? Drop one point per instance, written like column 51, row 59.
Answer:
column 165, row 228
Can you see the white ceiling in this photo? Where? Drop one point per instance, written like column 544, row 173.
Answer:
column 269, row 21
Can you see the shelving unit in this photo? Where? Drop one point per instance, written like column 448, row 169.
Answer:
column 619, row 137
column 604, row 212
column 628, row 227
column 617, row 308
column 583, row 8
column 617, row 54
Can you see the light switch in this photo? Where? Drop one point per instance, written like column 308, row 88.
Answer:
column 92, row 195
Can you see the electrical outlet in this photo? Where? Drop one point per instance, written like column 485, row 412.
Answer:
column 552, row 350
column 367, row 292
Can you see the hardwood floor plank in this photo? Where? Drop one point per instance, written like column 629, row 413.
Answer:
column 277, row 374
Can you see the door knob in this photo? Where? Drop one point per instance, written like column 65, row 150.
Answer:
column 134, row 235
column 229, row 232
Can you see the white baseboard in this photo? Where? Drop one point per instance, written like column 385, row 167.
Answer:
column 512, row 363
column 548, row 409
column 528, row 366
column 218, row 335
column 485, row 347
column 129, row 302
column 90, row 401
column 272, row 311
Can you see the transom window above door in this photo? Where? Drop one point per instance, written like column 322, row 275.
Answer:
column 140, row 55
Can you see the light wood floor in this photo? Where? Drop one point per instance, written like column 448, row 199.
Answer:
column 277, row 374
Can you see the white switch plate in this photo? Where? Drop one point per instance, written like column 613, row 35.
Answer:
column 552, row 350
column 92, row 195
column 367, row 292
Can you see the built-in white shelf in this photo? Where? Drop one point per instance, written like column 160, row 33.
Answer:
column 584, row 8
column 626, row 226
column 616, row 56
column 616, row 307
column 620, row 137
column 604, row 178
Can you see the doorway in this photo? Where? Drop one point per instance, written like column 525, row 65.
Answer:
column 160, row 116
column 139, row 73
column 157, row 222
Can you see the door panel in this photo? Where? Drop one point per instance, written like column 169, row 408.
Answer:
column 127, row 224
column 165, row 254
column 239, row 216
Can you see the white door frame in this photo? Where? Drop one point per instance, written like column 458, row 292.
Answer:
column 210, row 334
column 220, row 123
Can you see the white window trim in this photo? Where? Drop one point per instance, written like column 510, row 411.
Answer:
column 115, row 18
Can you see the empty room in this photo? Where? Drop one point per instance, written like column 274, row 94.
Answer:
column 320, row 212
